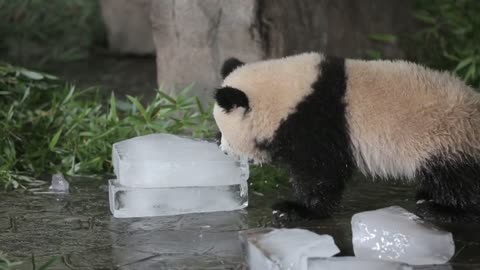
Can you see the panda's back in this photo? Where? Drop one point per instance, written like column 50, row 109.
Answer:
column 401, row 114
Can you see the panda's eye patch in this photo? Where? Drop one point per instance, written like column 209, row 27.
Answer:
column 229, row 98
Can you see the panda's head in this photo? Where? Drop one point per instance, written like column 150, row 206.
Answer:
column 255, row 98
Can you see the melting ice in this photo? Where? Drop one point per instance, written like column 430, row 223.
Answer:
column 395, row 234
column 278, row 249
column 164, row 174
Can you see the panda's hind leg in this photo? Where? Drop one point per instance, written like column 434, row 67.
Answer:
column 449, row 190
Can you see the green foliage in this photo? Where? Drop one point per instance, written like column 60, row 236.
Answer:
column 267, row 177
column 6, row 264
column 386, row 38
column 44, row 266
column 450, row 38
column 373, row 54
column 48, row 30
column 49, row 126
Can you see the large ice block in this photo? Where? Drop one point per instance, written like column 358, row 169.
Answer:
column 128, row 201
column 279, row 249
column 350, row 263
column 194, row 241
column 395, row 234
column 164, row 174
column 165, row 160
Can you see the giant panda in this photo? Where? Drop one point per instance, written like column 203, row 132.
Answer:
column 323, row 117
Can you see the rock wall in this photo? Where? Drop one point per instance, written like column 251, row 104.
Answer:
column 193, row 37
column 128, row 26
column 336, row 27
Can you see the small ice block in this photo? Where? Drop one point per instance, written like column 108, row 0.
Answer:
column 59, row 184
column 349, row 263
column 279, row 249
column 128, row 201
column 395, row 234
column 165, row 160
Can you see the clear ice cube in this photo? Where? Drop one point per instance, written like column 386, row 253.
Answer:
column 190, row 241
column 59, row 184
column 278, row 249
column 349, row 263
column 128, row 201
column 395, row 234
column 165, row 160
column 164, row 174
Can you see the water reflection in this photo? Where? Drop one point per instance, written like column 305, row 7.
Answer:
column 80, row 231
column 194, row 240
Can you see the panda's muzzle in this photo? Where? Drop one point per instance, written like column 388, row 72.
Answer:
column 218, row 138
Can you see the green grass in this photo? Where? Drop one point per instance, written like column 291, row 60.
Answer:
column 267, row 177
column 6, row 264
column 34, row 32
column 49, row 126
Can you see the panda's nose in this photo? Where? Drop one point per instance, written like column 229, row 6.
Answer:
column 218, row 138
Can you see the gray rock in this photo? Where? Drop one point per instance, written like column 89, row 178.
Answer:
column 193, row 38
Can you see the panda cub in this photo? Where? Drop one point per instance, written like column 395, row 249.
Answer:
column 322, row 117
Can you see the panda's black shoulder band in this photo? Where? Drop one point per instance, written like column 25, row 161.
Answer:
column 314, row 139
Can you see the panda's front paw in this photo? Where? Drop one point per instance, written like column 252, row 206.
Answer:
column 288, row 211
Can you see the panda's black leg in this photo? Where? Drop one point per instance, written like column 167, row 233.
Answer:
column 430, row 210
column 318, row 152
column 450, row 190
column 422, row 194
column 290, row 211
column 314, row 198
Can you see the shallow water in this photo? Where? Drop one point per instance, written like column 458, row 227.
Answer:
column 80, row 231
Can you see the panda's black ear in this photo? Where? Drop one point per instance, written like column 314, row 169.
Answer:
column 230, row 65
column 229, row 98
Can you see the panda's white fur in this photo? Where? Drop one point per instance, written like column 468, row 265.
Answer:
column 274, row 88
column 399, row 116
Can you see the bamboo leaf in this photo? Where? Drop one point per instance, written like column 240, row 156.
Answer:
column 69, row 95
column 112, row 115
column 137, row 105
column 387, row 38
column 463, row 64
column 31, row 74
column 167, row 97
column 47, row 264
column 424, row 18
column 54, row 140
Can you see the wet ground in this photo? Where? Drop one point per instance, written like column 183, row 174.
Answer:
column 80, row 232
